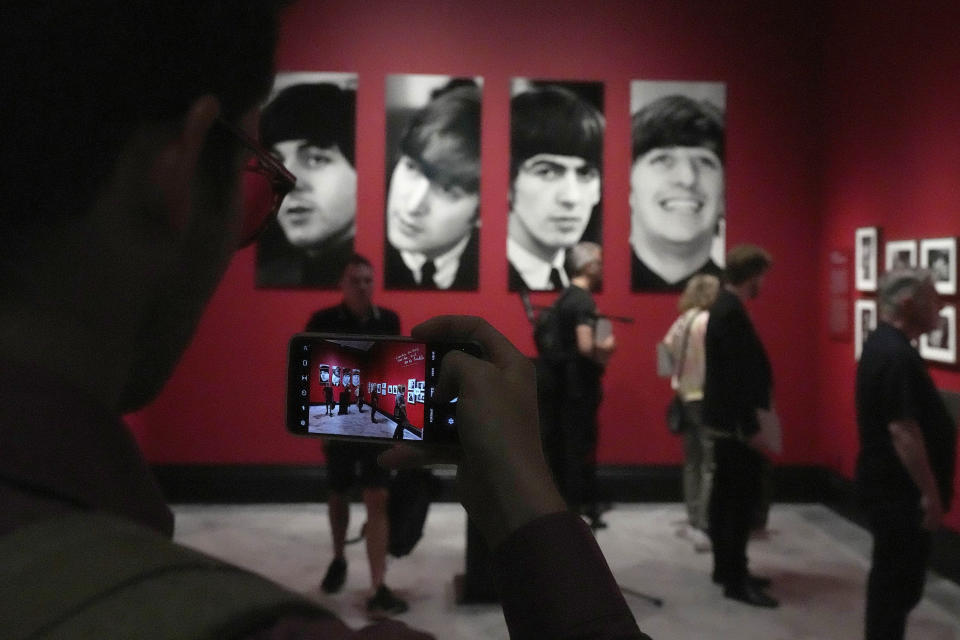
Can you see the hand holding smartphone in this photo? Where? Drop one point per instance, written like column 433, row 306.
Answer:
column 385, row 391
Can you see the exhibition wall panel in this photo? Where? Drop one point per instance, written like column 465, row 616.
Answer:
column 224, row 404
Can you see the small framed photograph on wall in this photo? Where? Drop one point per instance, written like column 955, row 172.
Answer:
column 900, row 254
column 940, row 344
column 940, row 256
column 864, row 322
column 866, row 259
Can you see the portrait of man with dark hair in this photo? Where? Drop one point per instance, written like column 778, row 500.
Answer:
column 309, row 125
column 677, row 209
column 433, row 197
column 556, row 162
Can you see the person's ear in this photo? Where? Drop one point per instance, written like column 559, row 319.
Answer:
column 177, row 164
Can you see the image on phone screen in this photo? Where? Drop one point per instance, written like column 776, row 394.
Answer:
column 368, row 388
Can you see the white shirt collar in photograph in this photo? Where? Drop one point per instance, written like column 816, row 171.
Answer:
column 535, row 271
column 446, row 264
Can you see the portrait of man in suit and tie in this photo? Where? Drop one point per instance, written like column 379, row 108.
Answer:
column 677, row 184
column 433, row 199
column 309, row 125
column 556, row 149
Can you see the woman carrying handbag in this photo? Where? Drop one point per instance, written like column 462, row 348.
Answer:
column 683, row 350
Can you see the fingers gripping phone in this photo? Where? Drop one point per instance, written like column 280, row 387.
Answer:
column 370, row 388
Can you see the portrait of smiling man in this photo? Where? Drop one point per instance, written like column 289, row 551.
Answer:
column 556, row 149
column 676, row 188
column 309, row 126
column 433, row 200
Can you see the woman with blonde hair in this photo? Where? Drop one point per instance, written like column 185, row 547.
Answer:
column 684, row 343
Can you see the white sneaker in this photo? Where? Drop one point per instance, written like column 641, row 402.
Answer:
column 700, row 540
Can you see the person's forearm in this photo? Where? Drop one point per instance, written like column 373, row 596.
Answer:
column 555, row 583
column 911, row 448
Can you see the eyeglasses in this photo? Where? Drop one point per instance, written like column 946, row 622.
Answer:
column 266, row 182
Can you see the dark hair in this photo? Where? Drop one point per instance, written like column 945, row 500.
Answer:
column 746, row 261
column 357, row 260
column 553, row 119
column 444, row 138
column 323, row 114
column 83, row 78
column 677, row 121
column 580, row 255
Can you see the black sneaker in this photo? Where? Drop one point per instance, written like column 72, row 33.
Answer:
column 335, row 577
column 384, row 604
column 749, row 594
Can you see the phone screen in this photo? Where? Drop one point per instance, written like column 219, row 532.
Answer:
column 369, row 388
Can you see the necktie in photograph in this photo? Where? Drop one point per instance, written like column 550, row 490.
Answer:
column 426, row 275
column 555, row 278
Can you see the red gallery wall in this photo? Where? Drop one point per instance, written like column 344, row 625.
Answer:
column 892, row 160
column 224, row 404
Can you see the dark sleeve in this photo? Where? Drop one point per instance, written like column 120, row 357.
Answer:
column 392, row 322
column 584, row 310
column 555, row 583
column 743, row 379
column 319, row 321
column 299, row 628
column 896, row 392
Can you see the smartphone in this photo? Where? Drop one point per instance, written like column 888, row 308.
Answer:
column 370, row 388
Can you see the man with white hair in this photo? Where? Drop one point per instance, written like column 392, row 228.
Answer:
column 905, row 466
column 570, row 426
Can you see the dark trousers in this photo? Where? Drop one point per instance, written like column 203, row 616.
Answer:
column 733, row 502
column 901, row 549
column 568, row 417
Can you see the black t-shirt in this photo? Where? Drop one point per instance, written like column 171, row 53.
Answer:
column 893, row 384
column 576, row 307
column 339, row 319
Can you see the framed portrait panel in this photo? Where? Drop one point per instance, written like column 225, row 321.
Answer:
column 309, row 124
column 900, row 254
column 864, row 322
column 555, row 195
column 677, row 196
column 940, row 256
column 940, row 345
column 866, row 248
column 432, row 215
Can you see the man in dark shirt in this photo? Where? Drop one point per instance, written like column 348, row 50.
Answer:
column 570, row 427
column 352, row 464
column 737, row 389
column 907, row 449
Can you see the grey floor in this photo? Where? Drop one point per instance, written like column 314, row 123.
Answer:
column 817, row 560
column 354, row 423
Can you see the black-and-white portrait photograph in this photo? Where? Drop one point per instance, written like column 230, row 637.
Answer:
column 433, row 182
column 556, row 169
column 900, row 254
column 864, row 322
column 940, row 256
column 866, row 258
column 309, row 123
column 677, row 187
column 940, row 345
